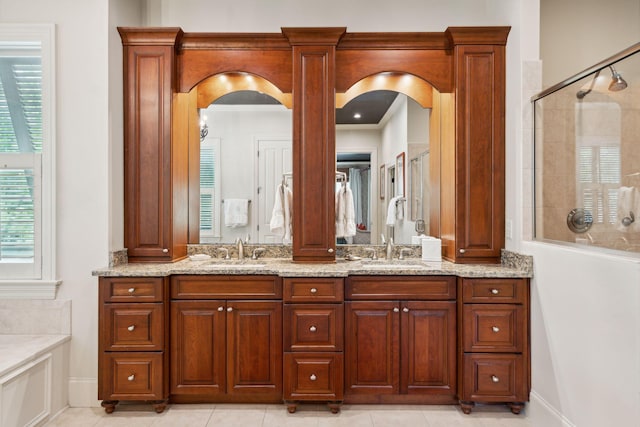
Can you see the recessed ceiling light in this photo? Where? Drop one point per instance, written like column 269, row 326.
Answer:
column 357, row 115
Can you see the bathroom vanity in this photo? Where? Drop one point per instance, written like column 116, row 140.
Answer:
column 277, row 331
column 310, row 326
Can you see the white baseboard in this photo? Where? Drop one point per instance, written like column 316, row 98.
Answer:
column 83, row 393
column 543, row 414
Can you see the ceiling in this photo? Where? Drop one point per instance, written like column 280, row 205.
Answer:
column 372, row 106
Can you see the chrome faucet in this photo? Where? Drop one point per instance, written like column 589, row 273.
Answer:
column 225, row 251
column 404, row 251
column 240, row 246
column 257, row 252
column 389, row 249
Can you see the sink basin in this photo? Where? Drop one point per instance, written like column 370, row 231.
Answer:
column 394, row 265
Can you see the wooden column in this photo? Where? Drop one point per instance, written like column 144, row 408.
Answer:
column 477, row 236
column 314, row 142
column 155, row 184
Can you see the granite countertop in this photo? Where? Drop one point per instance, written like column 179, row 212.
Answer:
column 513, row 265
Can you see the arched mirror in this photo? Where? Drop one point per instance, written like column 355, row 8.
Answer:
column 385, row 121
column 245, row 155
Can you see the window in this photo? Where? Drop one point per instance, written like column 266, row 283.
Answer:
column 209, row 189
column 26, row 153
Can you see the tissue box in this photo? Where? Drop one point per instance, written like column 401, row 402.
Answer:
column 431, row 249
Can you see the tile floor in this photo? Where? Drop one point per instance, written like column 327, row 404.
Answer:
column 308, row 415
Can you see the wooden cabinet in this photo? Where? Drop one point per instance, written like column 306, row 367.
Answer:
column 156, row 164
column 133, row 362
column 226, row 339
column 472, row 189
column 400, row 351
column 162, row 69
column 313, row 341
column 494, row 356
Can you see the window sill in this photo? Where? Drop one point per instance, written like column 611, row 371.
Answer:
column 29, row 289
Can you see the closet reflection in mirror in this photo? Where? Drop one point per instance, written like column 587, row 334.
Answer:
column 244, row 158
column 380, row 125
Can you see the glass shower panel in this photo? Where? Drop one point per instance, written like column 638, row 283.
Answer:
column 587, row 157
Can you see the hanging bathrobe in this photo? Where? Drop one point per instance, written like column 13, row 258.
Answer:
column 281, row 215
column 345, row 213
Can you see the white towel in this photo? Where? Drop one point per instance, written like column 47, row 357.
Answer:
column 628, row 204
column 236, row 212
column 345, row 213
column 281, row 214
column 394, row 211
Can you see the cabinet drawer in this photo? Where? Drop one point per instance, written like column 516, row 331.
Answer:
column 226, row 287
column 133, row 327
column 132, row 376
column 305, row 289
column 494, row 377
column 313, row 376
column 493, row 327
column 131, row 289
column 401, row 288
column 494, row 291
column 313, row 327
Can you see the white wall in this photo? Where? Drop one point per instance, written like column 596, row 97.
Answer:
column 585, row 305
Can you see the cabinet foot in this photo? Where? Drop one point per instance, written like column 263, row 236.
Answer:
column 516, row 407
column 109, row 405
column 159, row 406
column 334, row 407
column 291, row 407
column 466, row 407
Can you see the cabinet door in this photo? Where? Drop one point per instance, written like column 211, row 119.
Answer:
column 372, row 334
column 428, row 348
column 198, row 342
column 254, row 349
column 479, row 192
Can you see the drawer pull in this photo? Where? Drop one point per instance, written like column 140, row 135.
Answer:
column 406, row 310
column 131, row 377
column 229, row 309
column 495, row 329
column 330, row 250
column 313, row 377
column 221, row 308
column 131, row 328
column 132, row 290
column 314, row 290
column 494, row 291
column 396, row 310
column 495, row 379
column 165, row 251
column 313, row 329
column 462, row 251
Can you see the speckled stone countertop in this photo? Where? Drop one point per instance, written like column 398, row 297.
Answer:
column 513, row 265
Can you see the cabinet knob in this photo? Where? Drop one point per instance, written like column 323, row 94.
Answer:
column 494, row 291
column 462, row 251
column 313, row 329
column 221, row 308
column 131, row 377
column 131, row 328
column 406, row 310
column 229, row 309
column 330, row 250
column 495, row 329
column 396, row 310
column 313, row 290
column 165, row 251
column 495, row 379
column 313, row 377
column 132, row 290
